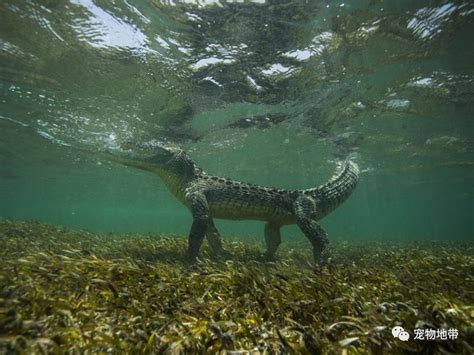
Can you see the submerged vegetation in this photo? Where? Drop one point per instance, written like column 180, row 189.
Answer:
column 66, row 290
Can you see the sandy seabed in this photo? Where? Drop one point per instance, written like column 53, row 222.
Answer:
column 69, row 291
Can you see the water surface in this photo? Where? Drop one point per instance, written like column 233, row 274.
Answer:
column 261, row 91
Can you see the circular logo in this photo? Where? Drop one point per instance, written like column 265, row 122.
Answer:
column 400, row 333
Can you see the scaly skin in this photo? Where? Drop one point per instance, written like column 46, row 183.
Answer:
column 209, row 197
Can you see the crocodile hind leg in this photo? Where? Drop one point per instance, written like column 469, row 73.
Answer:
column 304, row 209
column 272, row 239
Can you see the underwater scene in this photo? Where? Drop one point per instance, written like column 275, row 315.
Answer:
column 236, row 177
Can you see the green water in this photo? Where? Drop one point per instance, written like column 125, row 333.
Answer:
column 273, row 93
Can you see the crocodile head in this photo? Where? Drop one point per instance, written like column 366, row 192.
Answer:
column 157, row 157
column 155, row 152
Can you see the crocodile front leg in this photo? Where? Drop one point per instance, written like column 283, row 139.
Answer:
column 200, row 211
column 272, row 239
column 214, row 239
column 304, row 209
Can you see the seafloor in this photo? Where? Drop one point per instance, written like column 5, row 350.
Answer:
column 67, row 291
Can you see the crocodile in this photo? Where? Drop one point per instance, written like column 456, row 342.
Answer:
column 211, row 197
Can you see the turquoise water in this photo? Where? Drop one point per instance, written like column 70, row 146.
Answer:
column 259, row 91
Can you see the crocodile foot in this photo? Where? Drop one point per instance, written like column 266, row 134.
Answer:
column 264, row 257
column 221, row 255
column 326, row 257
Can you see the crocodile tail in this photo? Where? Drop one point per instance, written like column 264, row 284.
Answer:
column 340, row 186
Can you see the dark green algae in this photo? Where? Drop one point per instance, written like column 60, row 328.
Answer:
column 67, row 291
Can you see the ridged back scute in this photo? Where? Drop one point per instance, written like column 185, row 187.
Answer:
column 339, row 187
